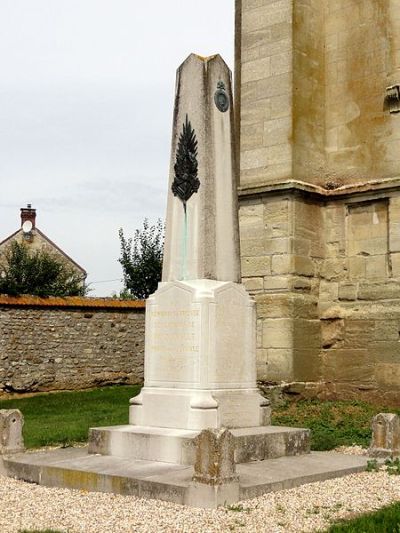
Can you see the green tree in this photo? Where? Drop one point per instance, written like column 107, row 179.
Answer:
column 39, row 274
column 141, row 259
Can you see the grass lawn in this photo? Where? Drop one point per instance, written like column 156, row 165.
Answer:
column 386, row 520
column 333, row 423
column 65, row 417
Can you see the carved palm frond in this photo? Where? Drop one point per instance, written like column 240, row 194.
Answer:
column 186, row 182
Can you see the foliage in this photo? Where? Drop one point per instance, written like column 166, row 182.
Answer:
column 393, row 466
column 386, row 520
column 332, row 423
column 39, row 274
column 63, row 418
column 141, row 260
column 373, row 465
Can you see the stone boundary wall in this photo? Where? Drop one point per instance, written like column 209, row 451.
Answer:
column 49, row 344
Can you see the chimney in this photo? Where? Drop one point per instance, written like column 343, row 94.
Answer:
column 27, row 213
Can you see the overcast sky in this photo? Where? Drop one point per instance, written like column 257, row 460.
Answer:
column 86, row 102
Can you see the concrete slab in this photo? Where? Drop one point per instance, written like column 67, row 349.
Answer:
column 287, row 472
column 76, row 469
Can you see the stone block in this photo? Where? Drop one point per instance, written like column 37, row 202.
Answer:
column 276, row 283
column 348, row 365
column 282, row 264
column 212, row 496
column 388, row 375
column 253, row 284
column 328, row 291
column 11, row 439
column 332, row 332
column 281, row 63
column 395, row 261
column 277, row 246
column 300, row 284
column 306, row 364
column 215, row 462
column 304, row 306
column 257, row 69
column 376, row 267
column 280, row 364
column 394, row 237
column 301, row 246
column 356, row 267
column 384, row 350
column 378, row 291
column 273, row 305
column 303, row 266
column 262, row 364
column 252, row 246
column 306, row 334
column 348, row 291
column 252, row 135
column 332, row 269
column 385, row 435
column 256, row 266
column 386, row 330
column 266, row 15
column 359, row 333
column 278, row 333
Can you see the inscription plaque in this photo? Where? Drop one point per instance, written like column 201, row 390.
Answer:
column 175, row 345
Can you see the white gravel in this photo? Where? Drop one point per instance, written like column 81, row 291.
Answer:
column 352, row 450
column 308, row 508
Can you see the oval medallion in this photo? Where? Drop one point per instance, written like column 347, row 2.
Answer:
column 221, row 99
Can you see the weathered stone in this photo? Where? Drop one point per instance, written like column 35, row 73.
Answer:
column 378, row 291
column 200, row 358
column 46, row 348
column 276, row 283
column 255, row 266
column 348, row 365
column 11, row 439
column 282, row 264
column 215, row 464
column 332, row 332
column 278, row 333
column 348, row 291
column 208, row 217
column 385, row 435
column 253, row 285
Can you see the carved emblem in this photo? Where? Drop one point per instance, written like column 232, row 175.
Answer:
column 221, row 99
column 186, row 182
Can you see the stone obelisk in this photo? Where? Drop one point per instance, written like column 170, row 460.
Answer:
column 200, row 363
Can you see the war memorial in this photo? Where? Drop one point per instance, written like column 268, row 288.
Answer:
column 269, row 275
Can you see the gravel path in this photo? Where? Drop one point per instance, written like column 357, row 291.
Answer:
column 307, row 508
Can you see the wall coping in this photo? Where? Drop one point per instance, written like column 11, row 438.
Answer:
column 77, row 302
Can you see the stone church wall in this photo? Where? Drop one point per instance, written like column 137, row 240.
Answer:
column 49, row 344
column 320, row 190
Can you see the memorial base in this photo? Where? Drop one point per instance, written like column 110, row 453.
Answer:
column 200, row 369
column 179, row 446
column 199, row 409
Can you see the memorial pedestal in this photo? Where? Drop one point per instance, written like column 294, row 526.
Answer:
column 200, row 359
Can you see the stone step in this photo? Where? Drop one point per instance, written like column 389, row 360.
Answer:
column 74, row 468
column 177, row 446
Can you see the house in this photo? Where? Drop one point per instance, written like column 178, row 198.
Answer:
column 36, row 240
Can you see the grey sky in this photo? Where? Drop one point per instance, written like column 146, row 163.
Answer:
column 86, row 96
